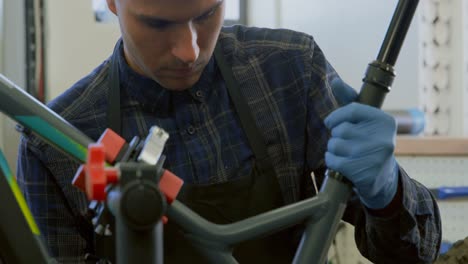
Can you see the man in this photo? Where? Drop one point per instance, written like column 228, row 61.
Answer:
column 302, row 119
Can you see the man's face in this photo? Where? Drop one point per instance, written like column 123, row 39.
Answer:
column 169, row 41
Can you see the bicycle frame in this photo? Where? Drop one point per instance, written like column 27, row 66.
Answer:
column 18, row 222
column 322, row 212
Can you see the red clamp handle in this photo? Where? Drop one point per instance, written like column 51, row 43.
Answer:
column 97, row 176
column 170, row 186
column 113, row 145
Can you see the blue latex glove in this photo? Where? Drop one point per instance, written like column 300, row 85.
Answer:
column 361, row 148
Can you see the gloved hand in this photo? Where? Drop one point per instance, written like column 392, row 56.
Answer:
column 361, row 148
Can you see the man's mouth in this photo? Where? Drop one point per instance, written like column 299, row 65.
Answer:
column 183, row 72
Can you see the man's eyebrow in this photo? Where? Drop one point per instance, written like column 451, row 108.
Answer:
column 211, row 9
column 152, row 20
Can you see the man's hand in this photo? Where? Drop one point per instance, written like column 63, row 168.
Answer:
column 361, row 148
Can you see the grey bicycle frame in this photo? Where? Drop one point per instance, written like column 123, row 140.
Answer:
column 215, row 241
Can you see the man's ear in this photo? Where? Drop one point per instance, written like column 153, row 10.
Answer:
column 111, row 5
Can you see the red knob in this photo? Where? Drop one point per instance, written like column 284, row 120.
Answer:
column 97, row 175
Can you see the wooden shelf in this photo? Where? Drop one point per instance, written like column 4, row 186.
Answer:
column 431, row 146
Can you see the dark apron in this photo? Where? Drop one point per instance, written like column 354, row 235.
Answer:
column 227, row 202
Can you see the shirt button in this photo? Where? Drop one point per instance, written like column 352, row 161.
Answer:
column 191, row 130
column 199, row 94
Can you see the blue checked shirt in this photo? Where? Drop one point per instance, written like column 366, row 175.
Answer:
column 285, row 79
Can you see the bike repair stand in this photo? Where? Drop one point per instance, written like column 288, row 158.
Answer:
column 135, row 193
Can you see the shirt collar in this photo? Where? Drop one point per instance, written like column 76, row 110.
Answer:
column 150, row 95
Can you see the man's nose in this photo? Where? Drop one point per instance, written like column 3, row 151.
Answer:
column 185, row 46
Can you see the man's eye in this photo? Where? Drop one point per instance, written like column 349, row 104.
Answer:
column 156, row 24
column 159, row 25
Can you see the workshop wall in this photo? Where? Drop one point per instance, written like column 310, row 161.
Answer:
column 76, row 43
column 12, row 65
column 2, row 52
column 359, row 26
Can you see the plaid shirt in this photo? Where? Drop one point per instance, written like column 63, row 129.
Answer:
column 285, row 79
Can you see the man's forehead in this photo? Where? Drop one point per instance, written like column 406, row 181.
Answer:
column 172, row 7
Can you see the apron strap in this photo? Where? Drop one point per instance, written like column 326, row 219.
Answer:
column 113, row 96
column 103, row 244
column 254, row 136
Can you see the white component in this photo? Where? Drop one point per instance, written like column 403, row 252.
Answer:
column 154, row 146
